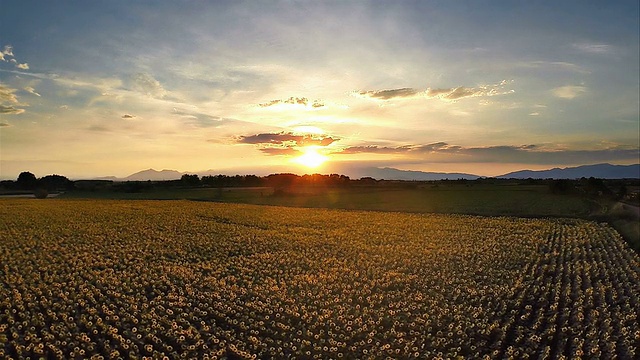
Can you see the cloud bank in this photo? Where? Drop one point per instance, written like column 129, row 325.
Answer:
column 443, row 152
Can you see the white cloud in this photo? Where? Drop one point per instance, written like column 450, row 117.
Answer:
column 24, row 66
column 31, row 90
column 593, row 48
column 569, row 91
column 7, row 50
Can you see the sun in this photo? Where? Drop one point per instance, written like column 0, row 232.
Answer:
column 311, row 158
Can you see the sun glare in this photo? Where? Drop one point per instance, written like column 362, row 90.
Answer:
column 311, row 158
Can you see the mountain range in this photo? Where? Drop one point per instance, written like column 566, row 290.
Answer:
column 602, row 171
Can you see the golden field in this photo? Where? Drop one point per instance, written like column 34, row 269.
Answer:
column 179, row 279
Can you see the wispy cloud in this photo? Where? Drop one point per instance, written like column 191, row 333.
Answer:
column 148, row 85
column 201, row 119
column 10, row 109
column 569, row 91
column 554, row 65
column 280, row 151
column 593, row 48
column 9, row 103
column 31, row 90
column 447, row 94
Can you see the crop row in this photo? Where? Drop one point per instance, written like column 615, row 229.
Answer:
column 131, row 279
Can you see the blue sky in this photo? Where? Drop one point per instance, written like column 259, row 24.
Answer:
column 96, row 88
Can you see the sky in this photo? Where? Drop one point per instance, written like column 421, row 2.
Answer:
column 109, row 88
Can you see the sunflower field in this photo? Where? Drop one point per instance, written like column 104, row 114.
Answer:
column 108, row 279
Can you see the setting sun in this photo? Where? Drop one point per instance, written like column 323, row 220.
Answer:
column 311, row 158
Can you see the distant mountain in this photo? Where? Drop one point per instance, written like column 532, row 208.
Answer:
column 154, row 175
column 602, row 171
column 396, row 174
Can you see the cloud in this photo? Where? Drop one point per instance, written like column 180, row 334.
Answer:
column 447, row 94
column 554, row 65
column 4, row 124
column 7, row 94
column 200, row 119
column 31, row 90
column 285, row 138
column 9, row 101
column 9, row 109
column 442, row 152
column 460, row 92
column 593, row 48
column 285, row 143
column 294, row 101
column 569, row 91
column 402, row 93
column 148, row 85
column 6, row 51
column 128, row 116
column 287, row 151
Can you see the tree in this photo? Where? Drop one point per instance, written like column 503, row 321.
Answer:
column 190, row 180
column 27, row 181
column 55, row 182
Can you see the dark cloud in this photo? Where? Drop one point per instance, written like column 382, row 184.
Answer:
column 285, row 143
column 128, row 116
column 294, row 101
column 526, row 154
column 391, row 94
column 284, row 138
column 4, row 124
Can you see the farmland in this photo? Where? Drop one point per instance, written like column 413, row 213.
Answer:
column 110, row 279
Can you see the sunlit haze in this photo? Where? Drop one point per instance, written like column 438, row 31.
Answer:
column 109, row 88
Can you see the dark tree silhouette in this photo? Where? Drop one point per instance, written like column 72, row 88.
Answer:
column 26, row 181
column 55, row 182
column 190, row 180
